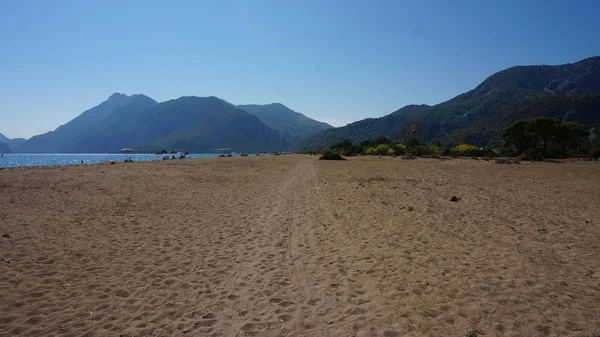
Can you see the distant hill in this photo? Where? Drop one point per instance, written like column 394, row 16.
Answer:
column 68, row 138
column 193, row 124
column 4, row 148
column 292, row 125
column 8, row 144
column 478, row 117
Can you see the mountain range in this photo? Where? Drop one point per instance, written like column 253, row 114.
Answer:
column 293, row 126
column 193, row 124
column 568, row 92
column 8, row 144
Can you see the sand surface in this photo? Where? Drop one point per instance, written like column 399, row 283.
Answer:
column 292, row 246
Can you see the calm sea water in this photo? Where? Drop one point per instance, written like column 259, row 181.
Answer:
column 16, row 160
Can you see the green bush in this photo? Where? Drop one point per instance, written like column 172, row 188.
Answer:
column 372, row 151
column 346, row 148
column 400, row 149
column 468, row 150
column 330, row 155
column 595, row 152
column 383, row 149
column 420, row 150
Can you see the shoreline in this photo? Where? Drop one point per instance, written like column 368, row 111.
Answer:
column 116, row 160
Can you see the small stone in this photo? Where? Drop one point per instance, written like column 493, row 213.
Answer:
column 454, row 199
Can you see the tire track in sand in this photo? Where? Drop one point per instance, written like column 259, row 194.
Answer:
column 288, row 281
column 271, row 282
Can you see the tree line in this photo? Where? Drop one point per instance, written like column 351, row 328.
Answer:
column 543, row 137
column 535, row 138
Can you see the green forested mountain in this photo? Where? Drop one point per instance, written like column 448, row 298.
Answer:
column 567, row 92
column 193, row 124
column 292, row 125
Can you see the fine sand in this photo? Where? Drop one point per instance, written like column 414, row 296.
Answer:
column 293, row 246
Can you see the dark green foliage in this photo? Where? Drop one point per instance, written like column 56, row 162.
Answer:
column 595, row 152
column 416, row 149
column 330, row 155
column 293, row 126
column 545, row 129
column 413, row 142
column 343, row 145
column 382, row 140
column 545, row 137
column 518, row 136
column 571, row 135
column 568, row 92
column 367, row 143
column 346, row 148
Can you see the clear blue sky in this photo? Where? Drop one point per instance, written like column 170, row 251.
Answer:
column 336, row 61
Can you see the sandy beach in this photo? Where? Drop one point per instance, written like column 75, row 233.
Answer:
column 293, row 246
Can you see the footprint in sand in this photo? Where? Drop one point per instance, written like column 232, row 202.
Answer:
column 285, row 317
column 249, row 327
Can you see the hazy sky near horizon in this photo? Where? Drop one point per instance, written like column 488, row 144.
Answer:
column 333, row 60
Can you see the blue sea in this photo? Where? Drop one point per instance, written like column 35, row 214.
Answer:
column 18, row 160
